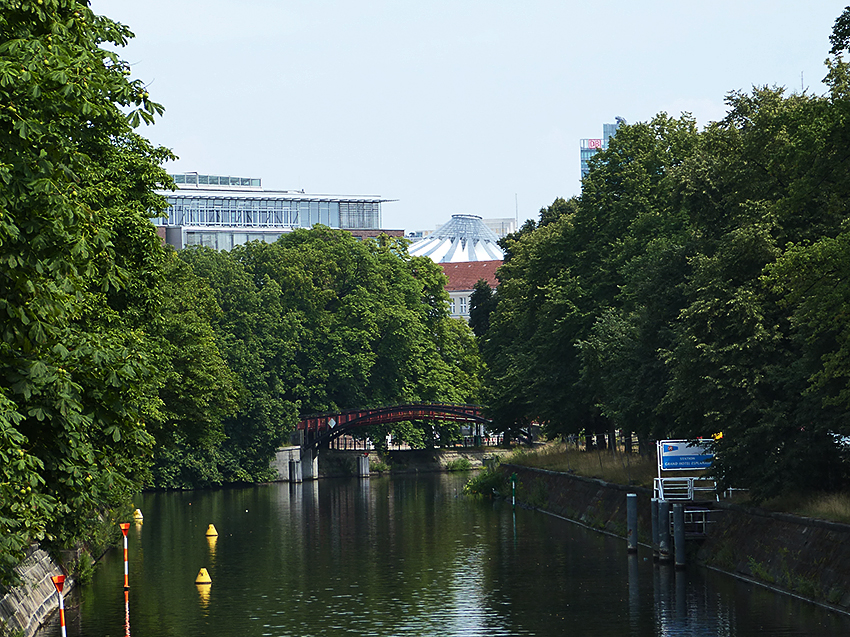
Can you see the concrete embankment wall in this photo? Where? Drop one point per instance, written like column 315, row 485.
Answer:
column 25, row 607
column 806, row 557
column 424, row 460
column 280, row 462
column 337, row 463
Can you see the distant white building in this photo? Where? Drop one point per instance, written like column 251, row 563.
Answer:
column 502, row 226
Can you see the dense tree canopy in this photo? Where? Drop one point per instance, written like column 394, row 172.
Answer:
column 482, row 302
column 123, row 364
column 698, row 285
column 319, row 322
column 72, row 393
column 87, row 355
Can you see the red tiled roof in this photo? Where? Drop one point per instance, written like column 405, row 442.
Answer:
column 464, row 275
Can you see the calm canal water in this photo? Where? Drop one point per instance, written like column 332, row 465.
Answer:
column 404, row 556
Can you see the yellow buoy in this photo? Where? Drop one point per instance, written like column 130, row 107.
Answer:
column 203, row 577
column 211, row 531
column 137, row 515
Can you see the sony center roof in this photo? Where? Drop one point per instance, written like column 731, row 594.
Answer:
column 464, row 238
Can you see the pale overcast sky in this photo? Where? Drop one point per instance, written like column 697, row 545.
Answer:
column 447, row 106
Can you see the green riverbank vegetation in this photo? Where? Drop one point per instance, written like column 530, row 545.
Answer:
column 125, row 365
column 699, row 285
column 83, row 351
column 459, row 464
column 616, row 468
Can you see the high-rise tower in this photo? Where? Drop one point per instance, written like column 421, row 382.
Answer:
column 589, row 147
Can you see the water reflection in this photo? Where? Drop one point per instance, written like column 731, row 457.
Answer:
column 634, row 591
column 126, row 613
column 682, row 610
column 407, row 556
column 204, row 595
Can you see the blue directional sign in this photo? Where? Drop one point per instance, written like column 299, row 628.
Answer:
column 684, row 454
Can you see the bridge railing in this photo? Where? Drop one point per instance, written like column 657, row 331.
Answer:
column 321, row 429
column 393, row 413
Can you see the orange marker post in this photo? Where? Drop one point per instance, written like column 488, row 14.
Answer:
column 125, row 526
column 59, row 583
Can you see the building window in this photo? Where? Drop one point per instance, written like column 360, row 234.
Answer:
column 463, row 305
column 452, row 307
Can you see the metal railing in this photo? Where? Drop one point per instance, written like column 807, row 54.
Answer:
column 697, row 521
column 685, row 489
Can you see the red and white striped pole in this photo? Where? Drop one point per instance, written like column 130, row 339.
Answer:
column 59, row 583
column 125, row 526
column 126, row 613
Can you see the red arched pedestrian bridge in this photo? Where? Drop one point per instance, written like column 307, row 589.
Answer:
column 321, row 429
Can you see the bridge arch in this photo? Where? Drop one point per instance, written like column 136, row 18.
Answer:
column 320, row 429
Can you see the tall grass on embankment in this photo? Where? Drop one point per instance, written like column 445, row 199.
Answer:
column 824, row 506
column 607, row 465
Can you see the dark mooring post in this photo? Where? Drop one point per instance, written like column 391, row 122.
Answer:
column 653, row 509
column 663, row 531
column 632, row 522
column 679, row 534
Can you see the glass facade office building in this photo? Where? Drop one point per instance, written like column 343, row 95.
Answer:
column 589, row 147
column 223, row 211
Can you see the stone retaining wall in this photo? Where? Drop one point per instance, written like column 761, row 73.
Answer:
column 803, row 556
column 25, row 608
column 808, row 557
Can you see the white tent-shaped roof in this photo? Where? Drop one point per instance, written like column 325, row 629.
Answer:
column 464, row 238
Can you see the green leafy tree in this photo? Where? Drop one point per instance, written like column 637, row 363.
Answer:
column 840, row 37
column 813, row 282
column 256, row 339
column 320, row 322
column 633, row 246
column 528, row 348
column 198, row 390
column 482, row 302
column 696, row 286
column 762, row 183
column 584, row 301
column 25, row 510
column 78, row 261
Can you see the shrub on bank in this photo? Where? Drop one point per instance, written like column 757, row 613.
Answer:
column 378, row 465
column 459, row 464
column 488, row 482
